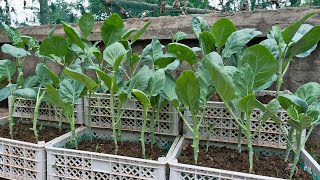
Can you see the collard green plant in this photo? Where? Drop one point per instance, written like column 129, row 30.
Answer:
column 297, row 40
column 237, row 88
column 303, row 109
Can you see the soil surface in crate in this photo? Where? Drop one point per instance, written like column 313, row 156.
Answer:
column 129, row 149
column 313, row 144
column 230, row 159
column 22, row 132
column 265, row 99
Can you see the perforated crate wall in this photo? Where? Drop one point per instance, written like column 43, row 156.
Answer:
column 75, row 164
column 24, row 108
column 190, row 172
column 226, row 129
column 20, row 160
column 132, row 118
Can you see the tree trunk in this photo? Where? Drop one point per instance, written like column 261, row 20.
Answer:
column 44, row 12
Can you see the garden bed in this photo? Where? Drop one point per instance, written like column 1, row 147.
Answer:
column 24, row 160
column 226, row 129
column 67, row 163
column 222, row 162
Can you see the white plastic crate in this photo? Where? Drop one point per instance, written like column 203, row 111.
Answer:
column 167, row 123
column 77, row 164
column 226, row 128
column 24, row 108
column 191, row 172
column 22, row 160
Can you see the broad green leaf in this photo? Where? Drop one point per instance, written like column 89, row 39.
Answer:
column 112, row 29
column 237, row 40
column 55, row 45
column 221, row 30
column 276, row 34
column 221, row 80
column 25, row 93
column 54, row 78
column 107, row 80
column 70, row 90
column 13, row 34
column 310, row 39
column 142, row 98
column 272, row 46
column 173, row 66
column 140, row 80
column 113, row 52
column 183, row 52
column 243, row 81
column 267, row 84
column 94, row 51
column 53, row 96
column 291, row 30
column 199, row 25
column 230, row 70
column 164, row 60
column 180, row 36
column 298, row 121
column 271, row 110
column 206, row 40
column 304, row 28
column 73, row 34
column 140, row 32
column 153, row 50
column 14, row 51
column 5, row 92
column 287, row 100
column 188, row 90
column 30, row 82
column 156, row 83
column 309, row 92
column 169, row 88
column 90, row 84
column 205, row 82
column 247, row 103
column 262, row 63
column 42, row 74
column 128, row 33
column 7, row 68
column 86, row 24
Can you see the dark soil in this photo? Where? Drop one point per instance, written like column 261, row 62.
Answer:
column 265, row 99
column 313, row 144
column 230, row 159
column 124, row 149
column 22, row 132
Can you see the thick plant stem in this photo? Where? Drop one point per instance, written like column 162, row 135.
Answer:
column 152, row 124
column 249, row 142
column 297, row 153
column 119, row 121
column 11, row 123
column 240, row 133
column 144, row 126
column 113, row 119
column 73, row 131
column 36, row 113
column 195, row 143
column 89, row 116
column 290, row 137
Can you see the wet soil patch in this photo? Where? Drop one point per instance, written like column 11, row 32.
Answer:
column 126, row 148
column 230, row 159
column 266, row 98
column 22, row 132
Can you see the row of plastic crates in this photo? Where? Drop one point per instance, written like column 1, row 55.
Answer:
column 28, row 161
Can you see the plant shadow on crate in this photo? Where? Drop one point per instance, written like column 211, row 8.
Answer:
column 23, row 132
column 230, row 159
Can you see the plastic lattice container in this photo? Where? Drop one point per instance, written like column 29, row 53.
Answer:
column 167, row 123
column 226, row 128
column 22, row 160
column 66, row 163
column 187, row 172
column 24, row 108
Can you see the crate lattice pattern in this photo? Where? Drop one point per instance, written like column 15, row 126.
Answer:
column 18, row 161
column 166, row 123
column 24, row 108
column 77, row 165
